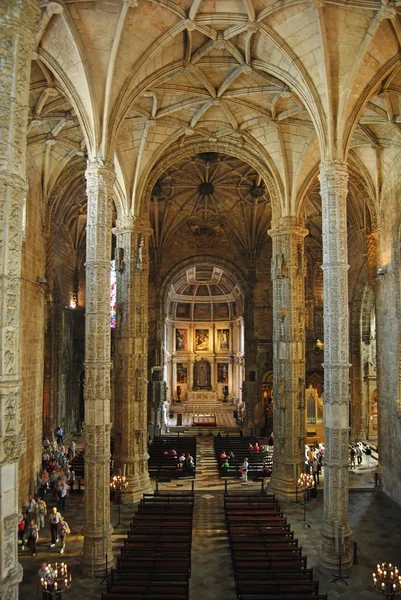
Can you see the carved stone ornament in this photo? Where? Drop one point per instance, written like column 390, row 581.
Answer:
column 131, row 3
column 387, row 11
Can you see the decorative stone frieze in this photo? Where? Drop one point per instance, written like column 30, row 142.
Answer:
column 97, row 543
column 288, row 277
column 333, row 189
column 18, row 23
column 130, row 425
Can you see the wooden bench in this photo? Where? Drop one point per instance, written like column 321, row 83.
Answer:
column 265, row 596
column 173, row 562
column 295, row 586
column 243, row 576
column 163, row 589
column 126, row 577
column 267, row 563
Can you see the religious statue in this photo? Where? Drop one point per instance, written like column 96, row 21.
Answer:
column 165, row 410
column 139, row 257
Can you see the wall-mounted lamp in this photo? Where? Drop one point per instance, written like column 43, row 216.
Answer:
column 41, row 280
column 73, row 304
column 319, row 345
column 382, row 270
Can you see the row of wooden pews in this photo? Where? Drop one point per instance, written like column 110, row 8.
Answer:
column 162, row 463
column 155, row 561
column 267, row 560
column 239, row 446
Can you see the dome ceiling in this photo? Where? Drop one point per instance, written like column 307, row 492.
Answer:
column 208, row 193
column 204, row 292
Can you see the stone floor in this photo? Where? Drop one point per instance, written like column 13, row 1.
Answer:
column 375, row 522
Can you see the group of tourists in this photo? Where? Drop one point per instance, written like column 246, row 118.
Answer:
column 356, row 453
column 57, row 477
column 314, row 455
column 32, row 519
column 185, row 461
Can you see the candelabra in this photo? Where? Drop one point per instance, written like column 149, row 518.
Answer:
column 119, row 484
column 386, row 579
column 306, row 483
column 56, row 580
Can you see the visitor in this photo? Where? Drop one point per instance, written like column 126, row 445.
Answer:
column 59, row 435
column 368, row 453
column 32, row 509
column 54, row 519
column 225, row 467
column 22, row 526
column 32, row 536
column 71, row 481
column 270, row 441
column 42, row 512
column 72, row 450
column 244, row 471
column 63, row 531
column 316, row 470
column 358, row 450
column 44, row 575
column 62, row 490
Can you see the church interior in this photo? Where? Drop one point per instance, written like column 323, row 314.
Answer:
column 199, row 216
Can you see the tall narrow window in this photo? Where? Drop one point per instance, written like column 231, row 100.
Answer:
column 113, row 295
column 23, row 223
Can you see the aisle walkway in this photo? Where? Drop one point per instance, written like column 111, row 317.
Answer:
column 212, row 575
column 375, row 521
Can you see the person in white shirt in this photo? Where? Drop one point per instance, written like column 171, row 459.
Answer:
column 54, row 519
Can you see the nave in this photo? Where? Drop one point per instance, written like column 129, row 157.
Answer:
column 372, row 518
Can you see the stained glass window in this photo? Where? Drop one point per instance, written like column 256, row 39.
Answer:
column 113, row 296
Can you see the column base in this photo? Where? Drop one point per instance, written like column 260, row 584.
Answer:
column 137, row 487
column 329, row 559
column 96, row 548
column 285, row 489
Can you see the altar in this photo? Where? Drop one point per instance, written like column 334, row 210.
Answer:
column 208, row 420
column 202, row 396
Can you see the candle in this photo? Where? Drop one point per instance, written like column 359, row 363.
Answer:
column 336, row 537
column 342, row 533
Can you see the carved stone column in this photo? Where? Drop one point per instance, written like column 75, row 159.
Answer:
column 250, row 384
column 18, row 22
column 97, row 543
column 333, row 189
column 288, row 276
column 131, row 453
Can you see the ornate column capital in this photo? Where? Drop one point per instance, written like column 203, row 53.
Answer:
column 142, row 227
column 333, row 173
column 288, row 225
column 99, row 168
column 124, row 224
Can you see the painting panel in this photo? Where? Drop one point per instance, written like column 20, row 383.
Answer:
column 221, row 310
column 181, row 339
column 182, row 373
column 203, row 311
column 223, row 339
column 183, row 310
column 222, row 372
column 201, row 339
